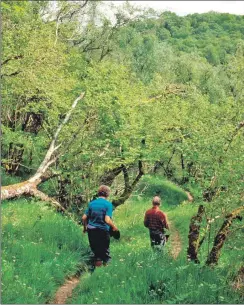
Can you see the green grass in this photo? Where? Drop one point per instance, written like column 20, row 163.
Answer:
column 40, row 248
column 138, row 275
column 152, row 185
column 8, row 179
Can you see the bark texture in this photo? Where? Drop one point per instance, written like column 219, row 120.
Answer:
column 193, row 236
column 129, row 187
column 221, row 236
column 109, row 176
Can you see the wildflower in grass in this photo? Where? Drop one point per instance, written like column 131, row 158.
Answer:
column 100, row 291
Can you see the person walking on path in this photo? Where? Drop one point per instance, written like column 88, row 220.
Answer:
column 97, row 221
column 156, row 221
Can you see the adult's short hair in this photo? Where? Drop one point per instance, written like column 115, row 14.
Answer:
column 156, row 200
column 103, row 191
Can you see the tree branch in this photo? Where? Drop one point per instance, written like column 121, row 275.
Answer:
column 48, row 160
column 129, row 188
column 221, row 236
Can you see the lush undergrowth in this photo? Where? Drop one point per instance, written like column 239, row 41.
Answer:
column 39, row 250
column 138, row 275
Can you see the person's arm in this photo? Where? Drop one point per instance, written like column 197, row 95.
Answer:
column 108, row 217
column 85, row 220
column 146, row 221
column 165, row 221
column 108, row 220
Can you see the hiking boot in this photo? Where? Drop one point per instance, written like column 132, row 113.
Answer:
column 98, row 263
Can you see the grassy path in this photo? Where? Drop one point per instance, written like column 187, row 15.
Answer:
column 176, row 244
column 65, row 291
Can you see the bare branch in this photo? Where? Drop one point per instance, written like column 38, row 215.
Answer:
column 52, row 148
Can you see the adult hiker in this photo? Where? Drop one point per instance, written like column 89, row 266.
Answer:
column 97, row 221
column 156, row 221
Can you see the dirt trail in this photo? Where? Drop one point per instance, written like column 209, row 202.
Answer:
column 176, row 245
column 65, row 291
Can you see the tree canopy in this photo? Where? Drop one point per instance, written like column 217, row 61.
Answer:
column 162, row 93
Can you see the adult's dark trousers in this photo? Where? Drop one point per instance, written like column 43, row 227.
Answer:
column 157, row 238
column 99, row 242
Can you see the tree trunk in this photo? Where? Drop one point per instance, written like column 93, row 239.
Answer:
column 128, row 187
column 29, row 187
column 157, row 165
column 194, row 230
column 18, row 189
column 220, row 238
column 63, row 194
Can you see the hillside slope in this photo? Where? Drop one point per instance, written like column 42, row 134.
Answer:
column 138, row 275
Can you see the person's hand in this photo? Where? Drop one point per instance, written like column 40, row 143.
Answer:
column 115, row 228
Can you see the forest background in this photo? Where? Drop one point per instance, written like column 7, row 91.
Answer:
column 87, row 100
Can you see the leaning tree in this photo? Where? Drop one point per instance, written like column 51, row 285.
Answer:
column 30, row 186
